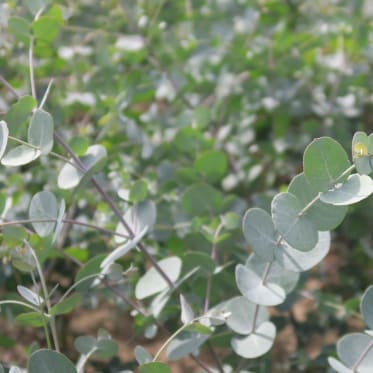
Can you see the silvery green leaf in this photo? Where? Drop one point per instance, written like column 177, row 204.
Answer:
column 350, row 348
column 296, row 228
column 284, row 278
column 295, row 260
column 19, row 156
column 355, row 189
column 153, row 283
column 252, row 287
column 260, row 233
column 70, row 176
column 255, row 344
column 185, row 344
column 324, row 216
column 338, row 366
column 366, row 306
column 142, row 356
column 242, row 315
column 187, row 314
column 40, row 131
column 137, row 217
column 43, row 205
column 124, row 249
column 4, row 133
column 30, row 296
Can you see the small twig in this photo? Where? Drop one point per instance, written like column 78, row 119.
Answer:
column 68, row 221
column 31, row 68
column 8, row 85
column 46, row 94
column 215, row 357
column 114, row 208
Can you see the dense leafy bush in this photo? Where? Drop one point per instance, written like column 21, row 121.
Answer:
column 135, row 137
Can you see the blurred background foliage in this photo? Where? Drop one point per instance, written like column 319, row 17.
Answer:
column 205, row 107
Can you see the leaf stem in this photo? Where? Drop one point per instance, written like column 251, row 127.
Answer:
column 41, row 312
column 31, row 68
column 362, row 356
column 46, row 297
column 46, row 94
column 68, row 221
column 174, row 335
column 213, row 257
column 9, row 86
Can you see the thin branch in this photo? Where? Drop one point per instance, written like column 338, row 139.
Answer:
column 67, row 221
column 31, row 68
column 201, row 363
column 215, row 357
column 8, row 85
column 114, row 208
column 46, row 94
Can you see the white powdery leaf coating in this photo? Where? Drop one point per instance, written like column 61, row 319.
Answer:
column 299, row 261
column 20, row 156
column 355, row 189
column 251, row 286
column 152, row 282
column 255, row 344
column 4, row 133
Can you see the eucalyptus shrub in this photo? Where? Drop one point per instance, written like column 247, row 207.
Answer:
column 289, row 239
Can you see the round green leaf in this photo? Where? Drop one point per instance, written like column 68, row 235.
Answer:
column 212, row 164
column 20, row 29
column 366, row 306
column 142, row 356
column 47, row 361
column 296, row 228
column 90, row 268
column 299, row 261
column 286, row 279
column 154, row 367
column 152, row 282
column 260, row 233
column 18, row 113
column 19, row 156
column 139, row 191
column 255, row 344
column 79, row 145
column 70, row 177
column 251, row 286
column 185, row 344
column 323, row 216
column 355, row 189
column 338, row 366
column 324, row 161
column 45, row 28
column 43, row 206
column 40, row 131
column 138, row 217
column 35, row 5
column 4, row 133
column 106, row 348
column 85, row 344
column 242, row 313
column 351, row 346
column 203, row 261
column 200, row 199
